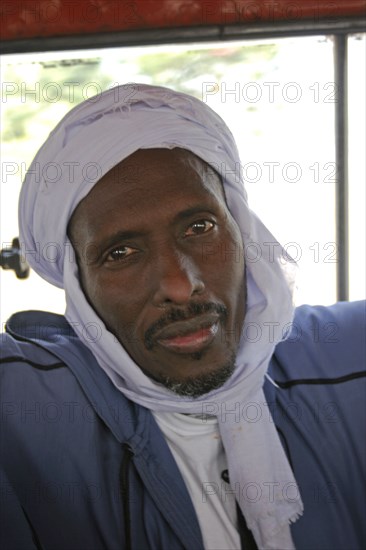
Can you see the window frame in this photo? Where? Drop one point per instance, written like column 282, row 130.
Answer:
column 338, row 29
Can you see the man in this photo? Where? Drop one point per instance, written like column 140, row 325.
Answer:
column 149, row 417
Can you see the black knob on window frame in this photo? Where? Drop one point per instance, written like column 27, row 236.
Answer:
column 11, row 258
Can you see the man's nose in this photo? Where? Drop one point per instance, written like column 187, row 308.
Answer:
column 177, row 279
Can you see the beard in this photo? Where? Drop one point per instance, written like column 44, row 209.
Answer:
column 198, row 385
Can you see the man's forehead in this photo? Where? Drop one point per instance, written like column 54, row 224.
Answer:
column 132, row 180
column 145, row 162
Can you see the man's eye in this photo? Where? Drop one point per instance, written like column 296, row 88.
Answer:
column 199, row 227
column 120, row 253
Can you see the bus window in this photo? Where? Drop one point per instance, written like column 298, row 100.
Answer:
column 278, row 96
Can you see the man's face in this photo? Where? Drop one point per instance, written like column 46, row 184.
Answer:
column 161, row 262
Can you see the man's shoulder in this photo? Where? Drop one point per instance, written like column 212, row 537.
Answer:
column 37, row 325
column 345, row 316
column 36, row 350
column 323, row 342
column 37, row 338
column 318, row 408
column 44, row 364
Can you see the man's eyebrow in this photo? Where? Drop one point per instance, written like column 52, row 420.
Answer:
column 119, row 237
column 188, row 212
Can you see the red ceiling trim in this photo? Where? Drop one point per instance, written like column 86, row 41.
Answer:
column 46, row 18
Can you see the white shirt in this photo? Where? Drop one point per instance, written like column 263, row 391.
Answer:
column 196, row 445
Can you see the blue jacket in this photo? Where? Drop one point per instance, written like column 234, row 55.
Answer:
column 83, row 468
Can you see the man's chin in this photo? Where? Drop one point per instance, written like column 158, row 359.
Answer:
column 199, row 385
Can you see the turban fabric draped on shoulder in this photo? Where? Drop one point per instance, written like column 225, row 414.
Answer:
column 94, row 137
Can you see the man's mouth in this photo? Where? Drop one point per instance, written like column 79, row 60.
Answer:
column 189, row 336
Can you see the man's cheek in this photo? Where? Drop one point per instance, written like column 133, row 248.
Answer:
column 126, row 334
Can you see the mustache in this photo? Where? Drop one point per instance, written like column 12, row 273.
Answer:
column 175, row 314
